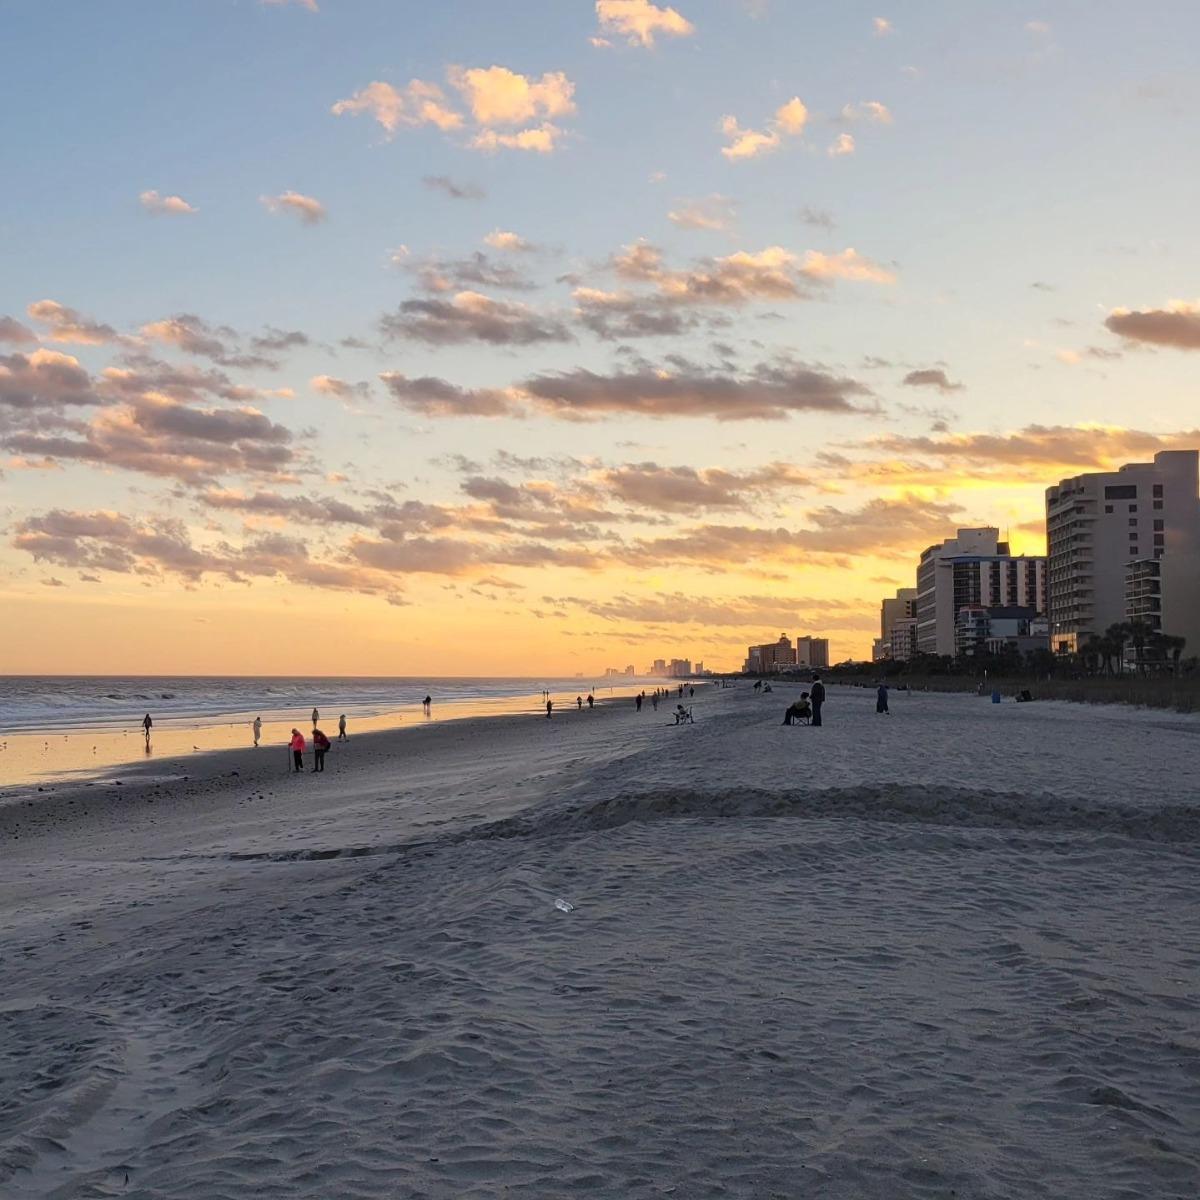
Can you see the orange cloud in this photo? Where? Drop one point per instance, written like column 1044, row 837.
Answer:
column 170, row 205
column 790, row 120
column 639, row 21
column 309, row 210
column 419, row 103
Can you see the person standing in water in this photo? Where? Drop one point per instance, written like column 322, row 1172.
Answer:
column 342, row 728
column 147, row 725
column 579, row 703
column 257, row 727
column 297, row 747
column 427, row 704
column 316, row 718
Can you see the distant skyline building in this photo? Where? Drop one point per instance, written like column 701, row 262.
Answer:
column 894, row 608
column 1125, row 545
column 972, row 569
column 812, row 652
column 903, row 639
column 980, row 631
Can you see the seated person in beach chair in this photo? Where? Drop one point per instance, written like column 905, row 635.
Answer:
column 799, row 712
column 1025, row 697
column 683, row 716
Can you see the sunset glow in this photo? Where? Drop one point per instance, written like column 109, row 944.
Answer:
column 366, row 338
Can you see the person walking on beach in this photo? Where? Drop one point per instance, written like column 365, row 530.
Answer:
column 637, row 700
column 147, row 725
column 297, row 746
column 591, row 700
column 342, row 728
column 320, row 746
column 316, row 718
column 881, row 699
column 654, row 700
column 579, row 703
column 818, row 698
column 549, row 709
column 427, row 704
column 257, row 727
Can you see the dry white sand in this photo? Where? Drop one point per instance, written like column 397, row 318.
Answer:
column 952, row 952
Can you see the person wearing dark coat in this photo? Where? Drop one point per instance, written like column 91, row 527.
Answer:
column 817, row 697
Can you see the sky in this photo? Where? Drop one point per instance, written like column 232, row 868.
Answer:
column 381, row 337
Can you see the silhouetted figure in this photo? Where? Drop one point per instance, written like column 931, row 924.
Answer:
column 798, row 712
column 637, row 700
column 427, row 704
column 316, row 718
column 591, row 700
column 818, row 699
column 320, row 746
column 579, row 703
column 691, row 692
column 257, row 727
column 297, row 745
column 881, row 699
column 342, row 728
column 549, row 709
column 654, row 701
column 147, row 725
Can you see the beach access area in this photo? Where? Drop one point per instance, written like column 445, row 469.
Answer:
column 946, row 952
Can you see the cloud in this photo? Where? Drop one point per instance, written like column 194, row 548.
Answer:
column 43, row 379
column 842, row 146
column 156, row 435
column 310, row 211
column 621, row 315
column 152, row 202
column 464, row 274
column 867, row 110
column 16, row 334
column 311, row 5
column 435, row 397
column 1036, row 453
column 472, row 317
column 498, row 96
column 193, row 335
column 314, row 510
column 848, row 264
column 1177, row 325
column 715, row 212
column 69, row 325
column 330, row 385
column 419, row 103
column 895, row 526
column 819, row 218
column 685, row 489
column 739, row 612
column 789, row 120
column 882, row 27
column 503, row 239
column 638, row 21
column 456, row 191
column 766, row 392
column 540, row 139
column 933, row 377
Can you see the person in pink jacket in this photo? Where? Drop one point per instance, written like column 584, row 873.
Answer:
column 297, row 745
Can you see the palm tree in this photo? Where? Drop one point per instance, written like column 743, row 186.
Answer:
column 1118, row 635
column 1139, row 633
column 1090, row 653
column 1174, row 646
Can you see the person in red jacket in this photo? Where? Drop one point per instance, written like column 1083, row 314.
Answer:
column 320, row 745
column 297, row 744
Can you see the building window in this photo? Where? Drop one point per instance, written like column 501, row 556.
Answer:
column 1133, row 520
column 1121, row 491
column 1160, row 539
column 1108, row 508
column 1133, row 508
column 1158, row 490
column 1158, row 504
column 1158, row 554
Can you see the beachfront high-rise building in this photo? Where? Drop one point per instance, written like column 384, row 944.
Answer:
column 904, row 639
column 895, row 608
column 1125, row 545
column 812, row 652
column 771, row 656
column 659, row 668
column 972, row 569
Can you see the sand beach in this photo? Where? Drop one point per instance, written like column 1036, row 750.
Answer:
column 947, row 953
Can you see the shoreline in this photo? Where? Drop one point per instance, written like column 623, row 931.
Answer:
column 56, row 756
